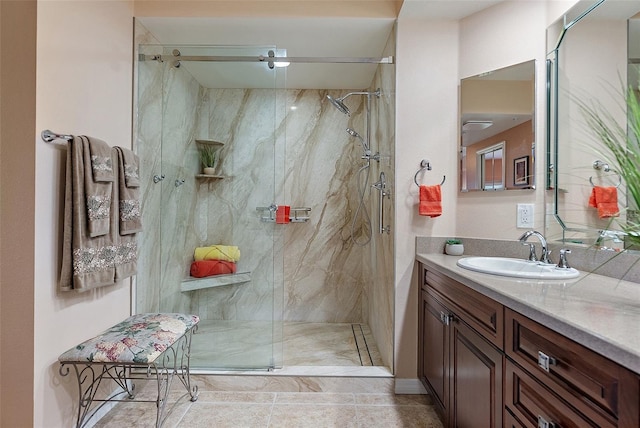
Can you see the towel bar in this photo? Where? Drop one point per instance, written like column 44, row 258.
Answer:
column 49, row 136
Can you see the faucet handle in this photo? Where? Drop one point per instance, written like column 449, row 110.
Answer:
column 532, row 252
column 562, row 263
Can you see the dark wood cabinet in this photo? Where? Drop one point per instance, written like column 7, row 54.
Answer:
column 460, row 367
column 476, row 379
column 488, row 366
column 579, row 380
column 434, row 352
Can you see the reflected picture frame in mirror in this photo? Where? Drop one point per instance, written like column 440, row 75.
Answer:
column 496, row 107
column 594, row 54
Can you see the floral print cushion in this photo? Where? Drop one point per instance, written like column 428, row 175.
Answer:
column 138, row 339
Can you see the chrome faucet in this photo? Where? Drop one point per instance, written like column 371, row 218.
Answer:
column 544, row 257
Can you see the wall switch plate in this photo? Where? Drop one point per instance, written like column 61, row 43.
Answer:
column 524, row 218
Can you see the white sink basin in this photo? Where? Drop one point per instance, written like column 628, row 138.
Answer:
column 517, row 268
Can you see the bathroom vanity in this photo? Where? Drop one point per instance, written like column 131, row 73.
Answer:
column 496, row 351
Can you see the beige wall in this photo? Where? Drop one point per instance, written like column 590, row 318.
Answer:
column 257, row 8
column 17, row 118
column 426, row 128
column 506, row 34
column 84, row 81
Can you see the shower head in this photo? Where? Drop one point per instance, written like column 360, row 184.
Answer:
column 353, row 133
column 337, row 103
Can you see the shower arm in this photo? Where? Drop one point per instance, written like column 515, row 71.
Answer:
column 368, row 94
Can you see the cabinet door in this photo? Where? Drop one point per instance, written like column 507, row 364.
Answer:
column 476, row 379
column 434, row 351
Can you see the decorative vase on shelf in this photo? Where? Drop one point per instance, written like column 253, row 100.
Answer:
column 208, row 158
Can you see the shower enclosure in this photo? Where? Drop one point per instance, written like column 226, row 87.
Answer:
column 303, row 293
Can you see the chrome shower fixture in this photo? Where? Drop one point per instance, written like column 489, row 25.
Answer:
column 339, row 102
column 353, row 133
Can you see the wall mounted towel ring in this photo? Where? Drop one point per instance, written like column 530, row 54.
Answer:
column 617, row 185
column 425, row 165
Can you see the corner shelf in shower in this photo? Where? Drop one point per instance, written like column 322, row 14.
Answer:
column 209, row 142
column 210, row 177
column 192, row 284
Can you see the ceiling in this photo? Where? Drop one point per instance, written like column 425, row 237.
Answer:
column 336, row 36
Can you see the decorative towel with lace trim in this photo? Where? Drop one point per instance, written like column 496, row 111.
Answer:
column 89, row 260
column 129, row 193
column 99, row 174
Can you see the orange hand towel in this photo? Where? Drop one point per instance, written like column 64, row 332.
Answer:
column 204, row 268
column 430, row 201
column 605, row 199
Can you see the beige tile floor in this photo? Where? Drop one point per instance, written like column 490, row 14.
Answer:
column 282, row 409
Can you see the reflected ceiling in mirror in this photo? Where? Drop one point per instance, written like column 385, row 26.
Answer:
column 498, row 107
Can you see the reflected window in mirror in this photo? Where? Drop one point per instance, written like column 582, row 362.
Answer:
column 497, row 107
column 491, row 161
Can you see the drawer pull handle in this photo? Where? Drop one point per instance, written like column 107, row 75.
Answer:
column 544, row 361
column 446, row 318
column 543, row 423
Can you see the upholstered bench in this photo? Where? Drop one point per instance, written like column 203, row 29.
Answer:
column 146, row 346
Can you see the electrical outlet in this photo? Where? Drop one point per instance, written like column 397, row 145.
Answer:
column 524, row 219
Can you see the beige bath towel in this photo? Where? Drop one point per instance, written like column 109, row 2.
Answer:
column 87, row 262
column 98, row 183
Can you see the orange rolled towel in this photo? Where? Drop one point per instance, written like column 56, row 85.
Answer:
column 605, row 199
column 430, row 201
column 203, row 268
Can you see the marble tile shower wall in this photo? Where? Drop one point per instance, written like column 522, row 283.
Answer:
column 326, row 277
column 379, row 274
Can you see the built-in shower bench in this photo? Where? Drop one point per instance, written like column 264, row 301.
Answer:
column 153, row 347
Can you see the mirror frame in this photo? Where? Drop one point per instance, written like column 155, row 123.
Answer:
column 556, row 34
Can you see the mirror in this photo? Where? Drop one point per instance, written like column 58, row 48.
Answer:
column 497, row 129
column 593, row 51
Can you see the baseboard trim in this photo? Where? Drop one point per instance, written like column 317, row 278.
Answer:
column 409, row 386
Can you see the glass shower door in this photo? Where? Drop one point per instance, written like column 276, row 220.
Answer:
column 233, row 108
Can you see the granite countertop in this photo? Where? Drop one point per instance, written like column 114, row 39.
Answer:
column 599, row 312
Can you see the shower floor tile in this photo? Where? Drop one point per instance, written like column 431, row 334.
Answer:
column 329, row 344
column 248, row 344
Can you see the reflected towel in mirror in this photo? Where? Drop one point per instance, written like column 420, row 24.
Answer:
column 605, row 199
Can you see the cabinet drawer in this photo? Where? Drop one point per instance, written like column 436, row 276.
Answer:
column 579, row 375
column 480, row 312
column 533, row 403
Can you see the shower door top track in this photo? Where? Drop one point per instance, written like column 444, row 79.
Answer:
column 261, row 58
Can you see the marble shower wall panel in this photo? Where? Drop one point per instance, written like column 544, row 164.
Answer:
column 182, row 98
column 244, row 120
column 379, row 270
column 323, row 268
column 148, row 125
